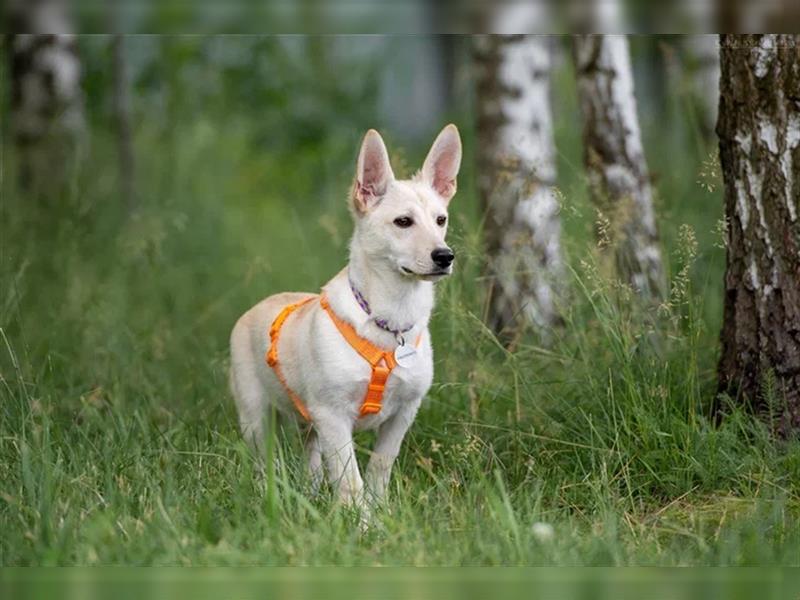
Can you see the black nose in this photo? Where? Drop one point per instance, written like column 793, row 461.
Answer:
column 442, row 257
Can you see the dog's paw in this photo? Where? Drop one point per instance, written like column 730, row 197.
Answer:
column 366, row 522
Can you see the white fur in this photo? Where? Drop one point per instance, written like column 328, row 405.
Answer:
column 319, row 364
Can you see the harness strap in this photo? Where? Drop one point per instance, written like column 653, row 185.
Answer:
column 272, row 353
column 382, row 361
column 368, row 351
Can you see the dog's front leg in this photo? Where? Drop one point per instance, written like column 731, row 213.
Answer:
column 336, row 442
column 387, row 447
column 314, row 458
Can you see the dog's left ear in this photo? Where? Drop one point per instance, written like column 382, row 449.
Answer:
column 443, row 161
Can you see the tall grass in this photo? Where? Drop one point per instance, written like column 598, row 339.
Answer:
column 118, row 441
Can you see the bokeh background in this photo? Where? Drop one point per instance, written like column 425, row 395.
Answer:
column 118, row 292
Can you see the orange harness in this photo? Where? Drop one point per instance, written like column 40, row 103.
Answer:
column 382, row 361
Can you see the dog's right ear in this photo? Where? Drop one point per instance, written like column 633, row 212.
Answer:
column 373, row 173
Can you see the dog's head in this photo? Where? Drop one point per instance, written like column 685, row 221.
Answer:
column 402, row 223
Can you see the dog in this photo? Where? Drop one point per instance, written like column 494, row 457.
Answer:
column 326, row 359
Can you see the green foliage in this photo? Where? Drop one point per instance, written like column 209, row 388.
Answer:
column 118, row 439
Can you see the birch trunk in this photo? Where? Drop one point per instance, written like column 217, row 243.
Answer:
column 619, row 182
column 759, row 141
column 703, row 66
column 516, row 166
column 47, row 119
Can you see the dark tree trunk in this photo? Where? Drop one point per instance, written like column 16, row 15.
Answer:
column 759, row 141
column 619, row 181
column 702, row 52
column 122, row 113
column 47, row 119
column 516, row 157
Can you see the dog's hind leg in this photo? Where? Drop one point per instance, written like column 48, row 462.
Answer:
column 248, row 391
column 251, row 403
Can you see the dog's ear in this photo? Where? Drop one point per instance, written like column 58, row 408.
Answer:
column 373, row 172
column 443, row 161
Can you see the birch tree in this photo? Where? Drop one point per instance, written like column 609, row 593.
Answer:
column 516, row 166
column 702, row 52
column 619, row 182
column 759, row 141
column 47, row 118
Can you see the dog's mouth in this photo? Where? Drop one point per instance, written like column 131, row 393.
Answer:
column 430, row 276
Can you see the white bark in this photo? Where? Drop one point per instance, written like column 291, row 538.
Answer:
column 619, row 181
column 516, row 178
column 759, row 134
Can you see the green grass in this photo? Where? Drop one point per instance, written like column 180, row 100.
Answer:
column 118, row 439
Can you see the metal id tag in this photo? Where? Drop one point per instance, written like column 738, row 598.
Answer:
column 405, row 355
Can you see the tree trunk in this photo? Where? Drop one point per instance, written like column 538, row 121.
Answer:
column 619, row 182
column 122, row 113
column 702, row 52
column 759, row 141
column 516, row 166
column 47, row 117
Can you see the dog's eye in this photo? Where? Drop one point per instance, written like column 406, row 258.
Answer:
column 404, row 222
column 441, row 220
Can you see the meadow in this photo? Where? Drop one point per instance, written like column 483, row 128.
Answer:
column 118, row 436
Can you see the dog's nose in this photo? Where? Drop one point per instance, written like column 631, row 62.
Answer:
column 442, row 257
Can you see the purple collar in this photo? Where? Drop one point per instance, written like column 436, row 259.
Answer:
column 382, row 323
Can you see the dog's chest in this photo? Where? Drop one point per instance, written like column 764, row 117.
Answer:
column 346, row 376
column 412, row 380
column 406, row 385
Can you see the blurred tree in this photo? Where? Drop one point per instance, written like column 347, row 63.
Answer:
column 701, row 60
column 759, row 140
column 47, row 117
column 619, row 182
column 122, row 114
column 702, row 53
column 516, row 166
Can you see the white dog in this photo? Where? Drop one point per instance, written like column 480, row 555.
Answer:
column 358, row 355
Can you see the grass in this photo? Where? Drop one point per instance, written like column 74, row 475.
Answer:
column 118, row 440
